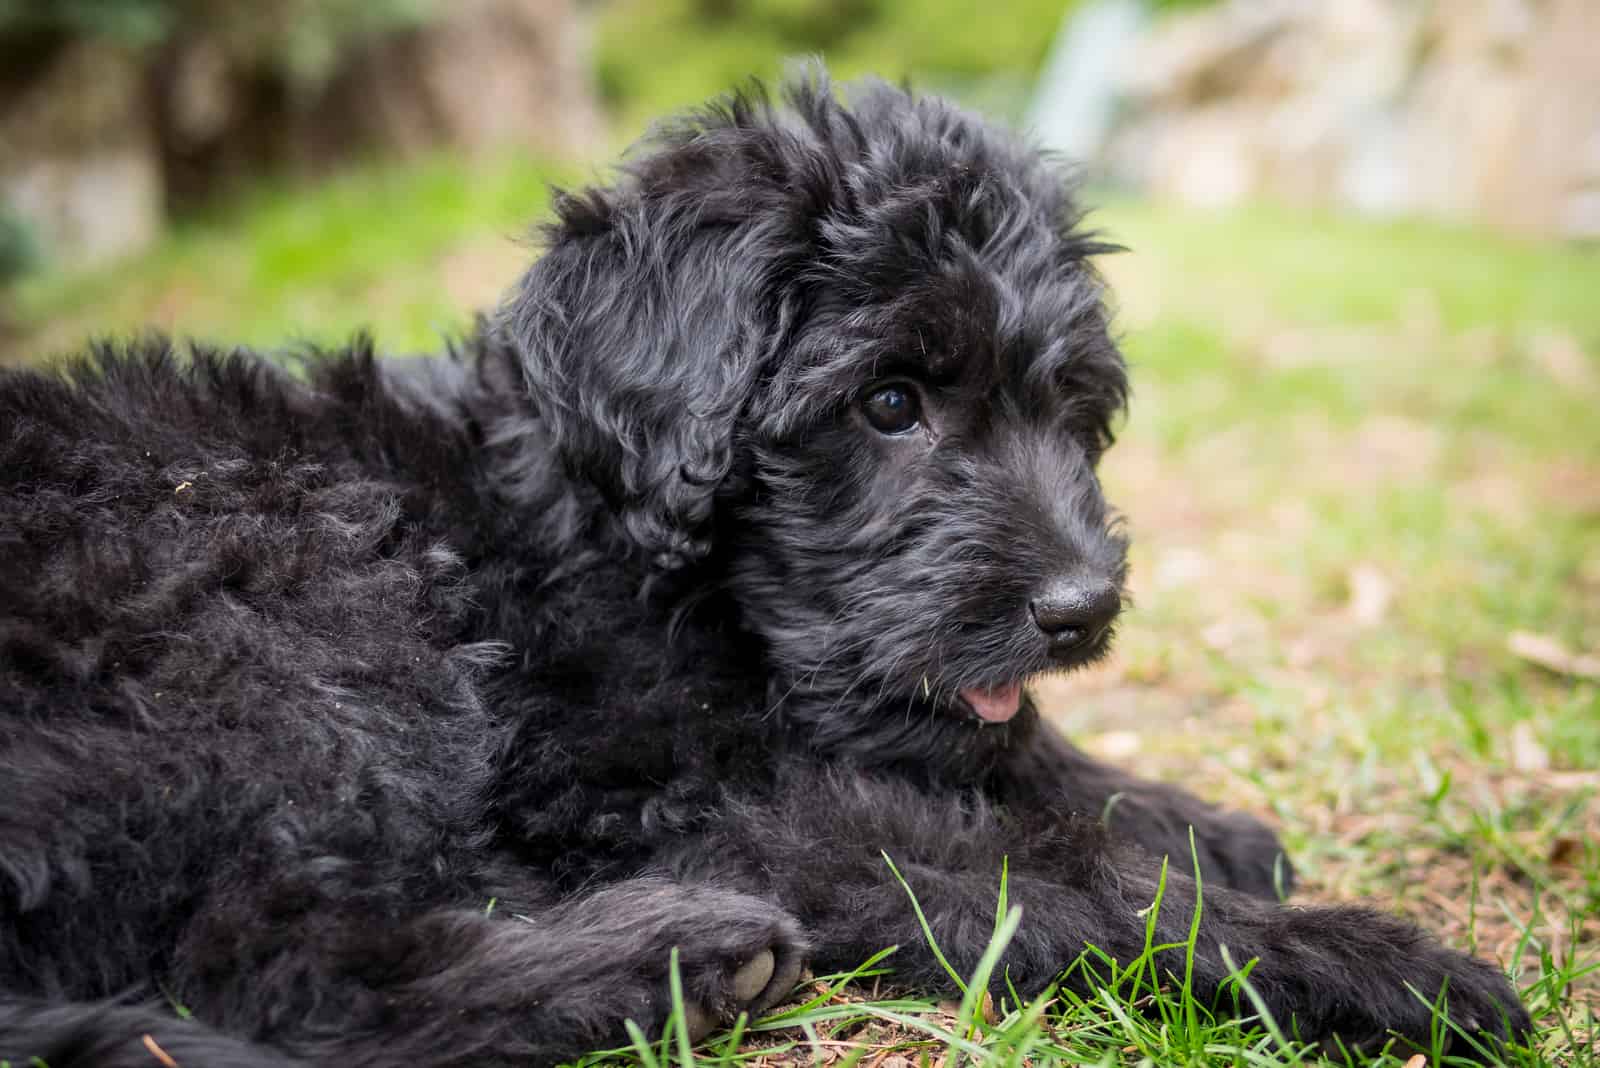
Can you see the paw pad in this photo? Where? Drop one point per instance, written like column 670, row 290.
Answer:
column 751, row 988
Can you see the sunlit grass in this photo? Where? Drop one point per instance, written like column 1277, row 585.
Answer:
column 396, row 249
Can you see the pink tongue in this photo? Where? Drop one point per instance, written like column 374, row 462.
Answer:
column 996, row 705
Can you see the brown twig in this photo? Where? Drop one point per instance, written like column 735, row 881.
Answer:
column 158, row 1053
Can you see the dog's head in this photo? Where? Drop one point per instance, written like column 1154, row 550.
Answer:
column 851, row 362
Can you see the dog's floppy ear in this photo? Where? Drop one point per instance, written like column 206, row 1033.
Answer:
column 643, row 329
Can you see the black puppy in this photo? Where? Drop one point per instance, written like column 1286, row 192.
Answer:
column 410, row 714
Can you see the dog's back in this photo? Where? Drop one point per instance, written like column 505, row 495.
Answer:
column 224, row 615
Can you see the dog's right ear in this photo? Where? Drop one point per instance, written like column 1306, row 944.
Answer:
column 644, row 328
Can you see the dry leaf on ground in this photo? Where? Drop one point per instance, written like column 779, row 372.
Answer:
column 1550, row 654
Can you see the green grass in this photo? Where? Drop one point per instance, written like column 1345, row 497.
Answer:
column 1141, row 1012
column 378, row 247
column 1321, row 406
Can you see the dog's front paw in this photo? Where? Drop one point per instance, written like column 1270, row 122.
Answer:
column 1371, row 980
column 1458, row 1004
column 1484, row 1004
column 740, row 955
column 735, row 953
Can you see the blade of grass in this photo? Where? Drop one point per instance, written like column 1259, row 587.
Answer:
column 680, row 1019
column 978, row 987
column 1191, row 1017
column 1241, row 977
column 641, row 1045
column 927, row 932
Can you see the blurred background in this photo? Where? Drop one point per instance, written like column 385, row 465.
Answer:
column 1361, row 300
column 128, row 126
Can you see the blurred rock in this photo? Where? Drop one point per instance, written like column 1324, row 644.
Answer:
column 99, row 139
column 478, row 76
column 78, row 159
column 1077, row 89
column 1472, row 109
column 488, row 74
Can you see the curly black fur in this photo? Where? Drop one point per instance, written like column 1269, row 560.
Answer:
column 410, row 713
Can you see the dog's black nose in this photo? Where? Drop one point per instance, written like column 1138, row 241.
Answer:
column 1075, row 613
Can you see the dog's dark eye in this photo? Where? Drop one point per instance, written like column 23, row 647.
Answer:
column 892, row 409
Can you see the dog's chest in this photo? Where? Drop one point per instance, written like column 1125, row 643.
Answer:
column 627, row 742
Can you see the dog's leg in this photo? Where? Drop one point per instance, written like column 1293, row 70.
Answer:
column 462, row 987
column 110, row 1035
column 1348, row 972
column 1234, row 849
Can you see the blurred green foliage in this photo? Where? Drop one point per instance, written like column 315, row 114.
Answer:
column 135, row 22
column 298, row 39
column 654, row 56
